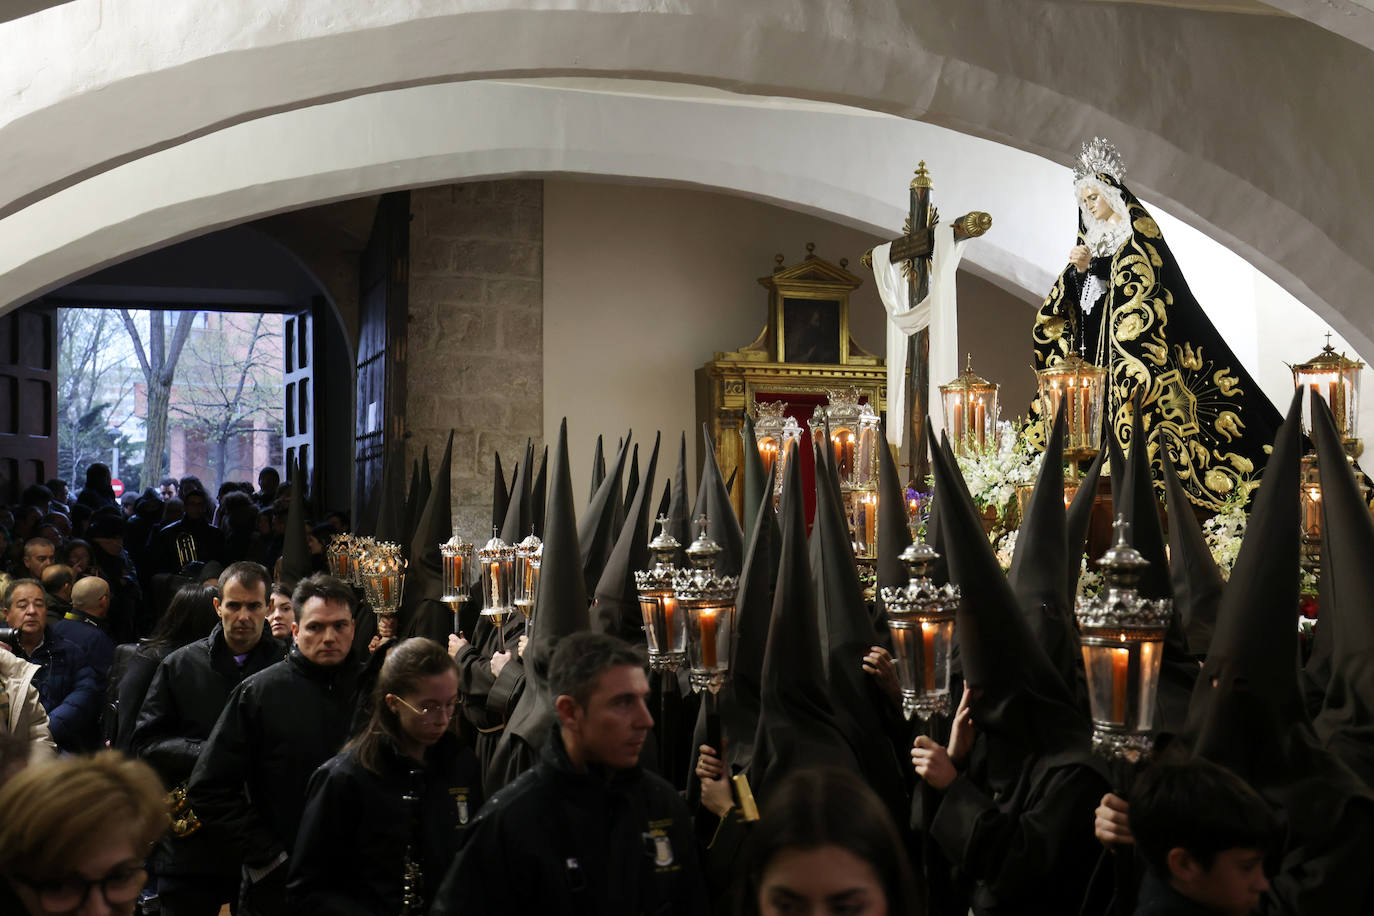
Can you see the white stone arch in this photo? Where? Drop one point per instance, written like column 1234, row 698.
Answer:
column 846, row 165
column 1226, row 118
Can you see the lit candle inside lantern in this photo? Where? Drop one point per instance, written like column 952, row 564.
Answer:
column 980, row 423
column 957, row 423
column 495, row 584
column 1121, row 659
column 928, row 646
column 708, row 637
column 669, row 617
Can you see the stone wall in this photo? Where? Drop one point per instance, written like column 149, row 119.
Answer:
column 476, row 333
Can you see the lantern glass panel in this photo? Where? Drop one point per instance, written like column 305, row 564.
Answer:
column 456, row 558
column 863, row 522
column 920, row 651
column 498, row 579
column 970, row 405
column 1081, row 386
column 527, row 567
column 1336, row 378
column 710, row 629
column 768, row 453
column 866, row 466
column 1123, row 677
column 665, row 625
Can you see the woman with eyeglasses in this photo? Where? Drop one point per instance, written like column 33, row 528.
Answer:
column 384, row 818
column 74, row 835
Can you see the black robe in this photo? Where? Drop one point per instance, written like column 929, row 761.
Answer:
column 1022, row 843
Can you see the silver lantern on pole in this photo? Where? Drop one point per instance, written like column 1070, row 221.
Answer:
column 920, row 616
column 665, row 627
column 708, row 601
column 1122, row 637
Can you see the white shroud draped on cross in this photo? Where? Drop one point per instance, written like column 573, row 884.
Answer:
column 939, row 311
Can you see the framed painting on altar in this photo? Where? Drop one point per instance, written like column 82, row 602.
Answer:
column 810, row 331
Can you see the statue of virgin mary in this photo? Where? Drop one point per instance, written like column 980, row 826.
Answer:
column 1123, row 303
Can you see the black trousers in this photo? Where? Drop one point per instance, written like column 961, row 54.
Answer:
column 267, row 897
column 197, row 895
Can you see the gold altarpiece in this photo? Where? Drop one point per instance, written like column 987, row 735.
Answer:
column 804, row 351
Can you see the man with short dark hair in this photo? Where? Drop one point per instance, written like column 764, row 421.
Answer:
column 248, row 786
column 168, row 488
column 58, row 580
column 1204, row 834
column 59, row 490
column 187, row 695
column 269, row 480
column 38, row 554
column 585, row 830
column 190, row 538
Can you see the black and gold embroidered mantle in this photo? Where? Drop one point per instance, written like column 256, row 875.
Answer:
column 1214, row 418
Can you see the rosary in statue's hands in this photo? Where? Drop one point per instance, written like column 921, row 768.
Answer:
column 1080, row 257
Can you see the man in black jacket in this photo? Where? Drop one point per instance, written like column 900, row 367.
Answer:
column 248, row 787
column 586, row 830
column 185, row 699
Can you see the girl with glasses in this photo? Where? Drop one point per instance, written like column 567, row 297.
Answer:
column 384, row 818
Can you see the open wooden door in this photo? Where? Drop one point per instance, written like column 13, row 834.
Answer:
column 298, row 415
column 28, row 399
column 383, row 301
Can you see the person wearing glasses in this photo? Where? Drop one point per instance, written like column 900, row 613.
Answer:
column 75, row 834
column 384, row 818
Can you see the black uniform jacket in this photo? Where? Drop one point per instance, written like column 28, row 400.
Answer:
column 350, row 852
column 188, row 691
column 277, row 728
column 596, row 843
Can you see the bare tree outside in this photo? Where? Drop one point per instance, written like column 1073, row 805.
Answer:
column 160, row 392
column 95, row 394
column 229, row 385
column 158, row 360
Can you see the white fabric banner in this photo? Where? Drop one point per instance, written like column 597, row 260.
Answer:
column 939, row 311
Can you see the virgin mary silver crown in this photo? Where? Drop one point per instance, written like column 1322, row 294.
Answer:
column 1099, row 157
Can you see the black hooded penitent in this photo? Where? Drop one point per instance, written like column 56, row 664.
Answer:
column 1014, row 823
column 615, row 609
column 713, row 501
column 561, row 609
column 598, row 529
column 1247, row 712
column 1036, row 574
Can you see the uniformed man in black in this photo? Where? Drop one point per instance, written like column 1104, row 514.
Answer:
column 586, row 830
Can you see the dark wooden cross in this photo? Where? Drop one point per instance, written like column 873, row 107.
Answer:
column 913, row 250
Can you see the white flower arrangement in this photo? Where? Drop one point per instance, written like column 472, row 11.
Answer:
column 1225, row 532
column 995, row 471
column 1004, row 543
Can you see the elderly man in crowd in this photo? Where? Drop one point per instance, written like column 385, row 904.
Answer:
column 73, row 661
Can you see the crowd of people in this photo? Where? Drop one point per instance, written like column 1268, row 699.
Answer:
column 266, row 741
